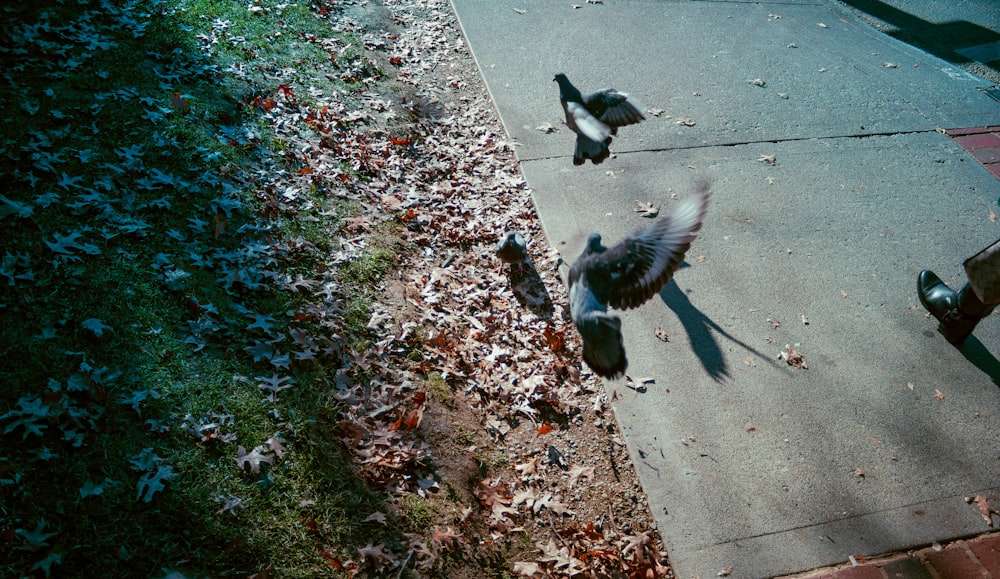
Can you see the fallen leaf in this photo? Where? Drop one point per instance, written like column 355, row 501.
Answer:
column 577, row 472
column 938, row 395
column 993, row 216
column 726, row 572
column 890, row 65
column 661, row 335
column 985, row 508
column 757, row 82
column 685, row 121
column 646, row 209
column 793, row 357
column 766, row 159
column 520, row 10
column 821, row 25
column 546, row 128
column 805, row 320
column 544, row 429
column 655, row 112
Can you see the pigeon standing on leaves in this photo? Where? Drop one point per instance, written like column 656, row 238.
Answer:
column 595, row 118
column 512, row 249
column 625, row 276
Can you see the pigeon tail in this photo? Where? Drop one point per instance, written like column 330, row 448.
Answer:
column 586, row 148
column 603, row 349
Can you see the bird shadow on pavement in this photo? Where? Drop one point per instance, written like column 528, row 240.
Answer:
column 975, row 352
column 699, row 329
column 529, row 290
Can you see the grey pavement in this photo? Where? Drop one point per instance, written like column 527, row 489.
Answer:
column 749, row 463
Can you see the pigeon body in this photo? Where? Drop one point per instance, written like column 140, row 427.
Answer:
column 512, row 249
column 595, row 118
column 625, row 276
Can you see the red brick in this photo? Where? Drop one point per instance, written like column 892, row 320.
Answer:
column 987, row 155
column 906, row 568
column 860, row 572
column 969, row 131
column 955, row 563
column 987, row 550
column 983, row 141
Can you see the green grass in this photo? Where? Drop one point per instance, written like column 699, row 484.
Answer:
column 140, row 149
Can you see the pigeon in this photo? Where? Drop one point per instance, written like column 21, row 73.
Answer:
column 625, row 276
column 512, row 249
column 595, row 118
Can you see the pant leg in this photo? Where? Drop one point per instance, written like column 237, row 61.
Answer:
column 983, row 270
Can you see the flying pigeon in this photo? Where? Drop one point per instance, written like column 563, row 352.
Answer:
column 625, row 276
column 512, row 249
column 595, row 118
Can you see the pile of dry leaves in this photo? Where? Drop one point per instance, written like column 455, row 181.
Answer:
column 559, row 497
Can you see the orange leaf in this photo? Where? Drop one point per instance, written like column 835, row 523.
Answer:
column 544, row 429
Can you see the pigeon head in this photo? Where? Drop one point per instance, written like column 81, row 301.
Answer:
column 594, row 243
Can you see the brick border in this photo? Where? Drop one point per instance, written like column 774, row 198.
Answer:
column 975, row 558
column 983, row 143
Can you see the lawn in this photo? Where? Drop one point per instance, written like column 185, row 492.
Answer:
column 167, row 402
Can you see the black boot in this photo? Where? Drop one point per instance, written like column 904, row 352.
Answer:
column 958, row 311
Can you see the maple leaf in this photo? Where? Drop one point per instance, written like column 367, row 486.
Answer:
column 252, row 459
column 985, row 508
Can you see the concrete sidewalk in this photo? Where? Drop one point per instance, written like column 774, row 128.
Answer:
column 750, row 464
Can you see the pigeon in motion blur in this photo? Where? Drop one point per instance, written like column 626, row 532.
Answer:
column 512, row 249
column 625, row 276
column 595, row 118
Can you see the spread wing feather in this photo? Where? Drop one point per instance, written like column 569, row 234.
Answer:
column 634, row 270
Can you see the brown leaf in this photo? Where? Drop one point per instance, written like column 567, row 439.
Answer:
column 938, row 395
column 646, row 209
column 793, row 357
column 985, row 508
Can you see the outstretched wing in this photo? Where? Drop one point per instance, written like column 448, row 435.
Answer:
column 613, row 108
column 629, row 273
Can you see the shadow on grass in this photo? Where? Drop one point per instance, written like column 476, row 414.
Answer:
column 139, row 312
